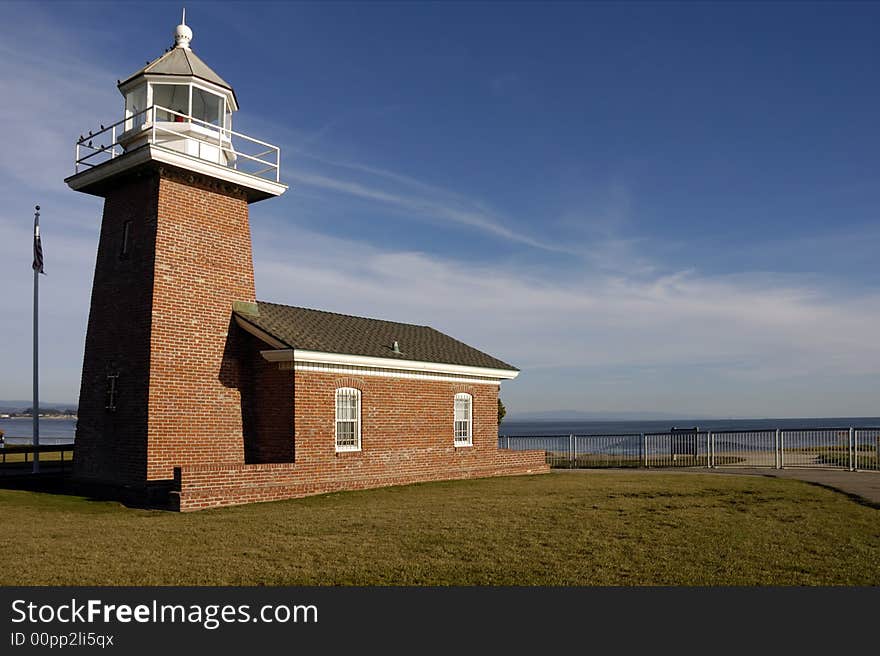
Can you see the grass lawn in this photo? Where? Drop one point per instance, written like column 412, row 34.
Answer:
column 569, row 528
column 11, row 456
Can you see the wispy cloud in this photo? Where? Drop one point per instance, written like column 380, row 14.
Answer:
column 424, row 207
column 47, row 100
column 752, row 329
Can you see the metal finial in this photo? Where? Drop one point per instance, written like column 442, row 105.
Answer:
column 37, row 207
column 182, row 34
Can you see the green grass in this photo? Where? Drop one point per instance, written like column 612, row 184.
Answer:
column 569, row 528
column 867, row 456
column 593, row 460
column 14, row 457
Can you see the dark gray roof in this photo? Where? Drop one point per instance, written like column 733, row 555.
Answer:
column 328, row 332
column 180, row 61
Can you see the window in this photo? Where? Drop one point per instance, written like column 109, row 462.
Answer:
column 206, row 106
column 463, row 423
column 348, row 419
column 112, row 391
column 126, row 238
column 135, row 103
column 174, row 97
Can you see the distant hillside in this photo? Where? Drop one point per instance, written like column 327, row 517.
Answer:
column 580, row 415
column 21, row 406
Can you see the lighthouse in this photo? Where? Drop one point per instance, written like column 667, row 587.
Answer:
column 161, row 381
column 195, row 394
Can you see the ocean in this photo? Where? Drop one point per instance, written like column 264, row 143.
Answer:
column 57, row 431
column 52, row 431
column 593, row 427
column 622, row 438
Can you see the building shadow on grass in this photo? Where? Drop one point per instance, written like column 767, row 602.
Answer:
column 62, row 483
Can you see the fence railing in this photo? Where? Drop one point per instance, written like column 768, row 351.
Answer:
column 183, row 133
column 18, row 458
column 852, row 449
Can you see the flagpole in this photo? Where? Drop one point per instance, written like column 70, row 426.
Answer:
column 35, row 408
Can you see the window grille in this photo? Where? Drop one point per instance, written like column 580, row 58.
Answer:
column 348, row 419
column 463, row 421
column 112, row 391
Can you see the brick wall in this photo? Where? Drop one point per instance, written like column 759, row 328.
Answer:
column 267, row 405
column 406, row 437
column 160, row 317
column 203, row 265
column 111, row 446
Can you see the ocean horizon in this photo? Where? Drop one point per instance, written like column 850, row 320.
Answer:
column 61, row 431
column 611, row 427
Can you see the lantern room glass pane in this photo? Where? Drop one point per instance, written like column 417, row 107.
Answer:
column 207, row 106
column 135, row 102
column 174, row 97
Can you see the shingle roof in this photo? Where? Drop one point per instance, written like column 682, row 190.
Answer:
column 180, row 61
column 328, row 332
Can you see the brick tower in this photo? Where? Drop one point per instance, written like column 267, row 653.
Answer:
column 160, row 383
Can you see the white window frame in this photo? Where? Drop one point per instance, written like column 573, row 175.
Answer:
column 463, row 440
column 357, row 421
column 225, row 118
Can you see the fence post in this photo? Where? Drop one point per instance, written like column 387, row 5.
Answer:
column 508, row 441
column 781, row 449
column 852, row 450
column 709, row 449
column 571, row 451
column 644, row 450
column 776, row 451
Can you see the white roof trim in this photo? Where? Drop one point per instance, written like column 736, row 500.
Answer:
column 165, row 78
column 343, row 359
column 383, row 373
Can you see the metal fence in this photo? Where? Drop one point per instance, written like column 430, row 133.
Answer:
column 17, row 459
column 852, row 449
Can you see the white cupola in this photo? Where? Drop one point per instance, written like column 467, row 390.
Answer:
column 178, row 111
column 193, row 105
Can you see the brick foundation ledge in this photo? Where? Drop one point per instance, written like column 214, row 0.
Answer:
column 205, row 486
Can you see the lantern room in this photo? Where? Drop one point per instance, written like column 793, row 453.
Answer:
column 191, row 105
column 177, row 110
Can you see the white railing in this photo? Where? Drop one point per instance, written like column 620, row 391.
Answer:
column 239, row 152
column 853, row 449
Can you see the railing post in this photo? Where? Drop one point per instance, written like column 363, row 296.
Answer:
column 709, row 449
column 852, row 450
column 571, row 451
column 508, row 441
column 781, row 448
column 776, row 451
column 644, row 450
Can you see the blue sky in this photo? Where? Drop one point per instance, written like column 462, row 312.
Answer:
column 646, row 207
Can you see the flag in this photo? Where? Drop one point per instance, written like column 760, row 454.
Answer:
column 38, row 246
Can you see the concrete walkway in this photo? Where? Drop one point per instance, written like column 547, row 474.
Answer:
column 864, row 485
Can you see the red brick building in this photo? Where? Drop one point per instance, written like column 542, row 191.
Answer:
column 196, row 395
